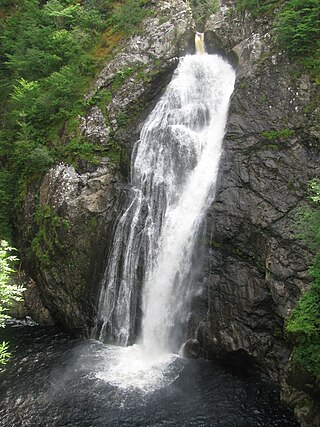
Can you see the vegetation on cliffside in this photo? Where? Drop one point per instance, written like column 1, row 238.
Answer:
column 296, row 25
column 304, row 321
column 50, row 53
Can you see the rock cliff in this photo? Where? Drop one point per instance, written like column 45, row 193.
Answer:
column 254, row 269
column 67, row 220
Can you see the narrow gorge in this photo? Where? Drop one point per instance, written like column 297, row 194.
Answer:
column 175, row 253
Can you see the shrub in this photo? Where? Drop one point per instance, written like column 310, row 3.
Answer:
column 128, row 15
column 9, row 292
column 297, row 26
column 304, row 321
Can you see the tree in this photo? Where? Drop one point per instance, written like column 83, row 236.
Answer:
column 128, row 15
column 298, row 26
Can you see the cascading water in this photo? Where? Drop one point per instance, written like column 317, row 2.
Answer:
column 58, row 380
column 174, row 171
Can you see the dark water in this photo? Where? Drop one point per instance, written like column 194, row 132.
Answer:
column 50, row 382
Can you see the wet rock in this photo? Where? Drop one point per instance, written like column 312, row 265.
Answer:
column 300, row 391
column 255, row 269
column 192, row 349
column 35, row 307
column 69, row 224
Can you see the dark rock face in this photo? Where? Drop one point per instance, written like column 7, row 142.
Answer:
column 301, row 392
column 192, row 349
column 68, row 227
column 254, row 268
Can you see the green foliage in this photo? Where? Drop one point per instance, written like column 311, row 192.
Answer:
column 307, row 223
column 45, row 66
column 50, row 234
column 304, row 321
column 278, row 134
column 127, row 15
column 298, row 26
column 100, row 98
column 114, row 153
column 4, row 353
column 49, row 55
column 304, row 324
column 6, row 189
column 80, row 149
column 121, row 76
column 305, row 318
column 201, row 10
column 297, row 29
column 48, row 237
column 122, row 118
column 256, row 7
column 9, row 292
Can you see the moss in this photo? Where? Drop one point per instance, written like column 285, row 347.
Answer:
column 278, row 332
column 48, row 237
column 278, row 134
column 214, row 244
column 114, row 153
column 201, row 10
column 243, row 255
column 142, row 75
column 163, row 19
column 243, row 85
column 271, row 147
column 230, row 250
column 78, row 149
column 109, row 41
column 257, row 7
column 290, row 185
column 101, row 98
column 121, row 76
column 92, row 224
column 122, row 118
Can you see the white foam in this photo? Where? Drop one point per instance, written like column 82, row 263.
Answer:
column 131, row 367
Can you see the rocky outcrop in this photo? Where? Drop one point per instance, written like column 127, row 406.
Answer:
column 254, row 269
column 131, row 82
column 67, row 220
column 68, row 224
column 301, row 391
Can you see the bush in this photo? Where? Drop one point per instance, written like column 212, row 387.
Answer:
column 304, row 321
column 128, row 15
column 9, row 292
column 297, row 26
column 255, row 6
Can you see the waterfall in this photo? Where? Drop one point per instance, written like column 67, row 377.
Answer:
column 199, row 43
column 147, row 285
